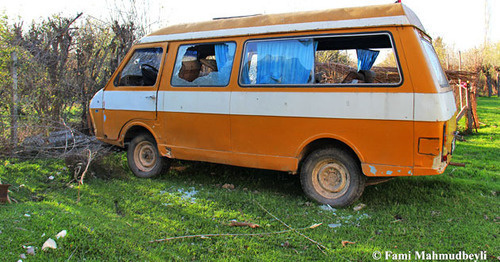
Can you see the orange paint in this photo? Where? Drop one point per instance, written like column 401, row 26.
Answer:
column 384, row 145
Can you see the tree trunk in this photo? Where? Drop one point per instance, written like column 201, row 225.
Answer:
column 14, row 110
column 498, row 84
column 488, row 83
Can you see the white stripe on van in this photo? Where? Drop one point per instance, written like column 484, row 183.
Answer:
column 194, row 102
column 434, row 107
column 388, row 106
column 97, row 100
column 364, row 22
column 130, row 100
column 379, row 106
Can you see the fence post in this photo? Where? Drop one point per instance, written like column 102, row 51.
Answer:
column 14, row 108
column 468, row 113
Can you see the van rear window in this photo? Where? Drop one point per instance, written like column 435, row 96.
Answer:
column 324, row 60
column 204, row 64
column 433, row 59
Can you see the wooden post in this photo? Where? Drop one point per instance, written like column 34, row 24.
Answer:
column 14, row 108
column 469, row 117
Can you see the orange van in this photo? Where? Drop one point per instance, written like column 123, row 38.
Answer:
column 337, row 96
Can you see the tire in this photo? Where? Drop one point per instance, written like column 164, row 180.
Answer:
column 332, row 176
column 144, row 159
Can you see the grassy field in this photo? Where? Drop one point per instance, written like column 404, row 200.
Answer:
column 117, row 218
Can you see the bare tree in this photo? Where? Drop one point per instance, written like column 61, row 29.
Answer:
column 98, row 53
column 50, row 44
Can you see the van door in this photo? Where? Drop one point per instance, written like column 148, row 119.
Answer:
column 195, row 109
column 133, row 92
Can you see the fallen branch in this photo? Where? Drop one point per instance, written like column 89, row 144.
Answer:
column 243, row 224
column 72, row 253
column 50, row 139
column 346, row 242
column 72, row 135
column 290, row 229
column 89, row 159
column 225, row 235
column 319, row 245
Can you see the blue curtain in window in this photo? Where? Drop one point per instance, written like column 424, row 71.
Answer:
column 221, row 55
column 285, row 62
column 245, row 72
column 366, row 58
column 224, row 54
column 250, row 50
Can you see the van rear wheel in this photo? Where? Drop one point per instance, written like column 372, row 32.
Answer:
column 144, row 159
column 332, row 176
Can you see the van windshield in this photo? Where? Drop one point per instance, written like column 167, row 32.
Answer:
column 437, row 70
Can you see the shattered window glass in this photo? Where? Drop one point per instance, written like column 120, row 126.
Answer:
column 142, row 68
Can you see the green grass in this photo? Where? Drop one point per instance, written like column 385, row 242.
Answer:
column 116, row 218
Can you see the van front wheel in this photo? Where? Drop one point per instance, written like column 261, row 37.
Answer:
column 332, row 176
column 144, row 159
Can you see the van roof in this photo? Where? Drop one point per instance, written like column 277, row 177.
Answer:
column 354, row 17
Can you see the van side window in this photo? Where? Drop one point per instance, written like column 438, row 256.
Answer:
column 204, row 64
column 142, row 68
column 323, row 60
column 361, row 59
column 279, row 62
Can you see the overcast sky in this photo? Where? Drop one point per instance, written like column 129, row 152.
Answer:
column 460, row 22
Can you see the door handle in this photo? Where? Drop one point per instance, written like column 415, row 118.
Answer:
column 151, row 97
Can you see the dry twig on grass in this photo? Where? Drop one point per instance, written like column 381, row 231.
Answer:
column 243, row 224
column 346, row 242
column 224, row 235
column 320, row 246
column 80, row 182
column 290, row 229
column 204, row 236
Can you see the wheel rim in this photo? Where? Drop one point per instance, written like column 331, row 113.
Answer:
column 331, row 178
column 145, row 156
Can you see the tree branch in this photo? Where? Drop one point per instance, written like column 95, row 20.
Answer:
column 319, row 245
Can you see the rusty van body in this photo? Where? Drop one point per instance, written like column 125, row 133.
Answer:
column 336, row 96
